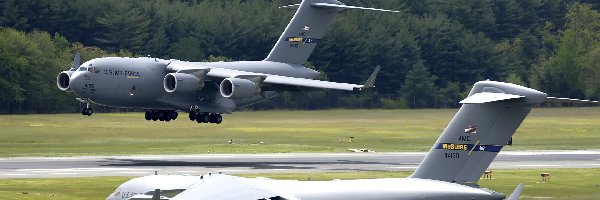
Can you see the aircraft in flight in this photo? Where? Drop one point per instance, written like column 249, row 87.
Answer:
column 208, row 89
column 483, row 125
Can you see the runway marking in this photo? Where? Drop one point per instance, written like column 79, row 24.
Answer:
column 593, row 164
column 82, row 170
column 402, row 167
column 280, row 169
column 64, row 173
column 16, row 174
column 132, row 172
column 232, row 170
column 189, row 171
column 540, row 165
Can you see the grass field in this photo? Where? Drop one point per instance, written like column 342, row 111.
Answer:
column 581, row 184
column 281, row 131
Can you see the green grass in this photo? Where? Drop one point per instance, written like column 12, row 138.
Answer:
column 578, row 184
column 281, row 131
column 59, row 188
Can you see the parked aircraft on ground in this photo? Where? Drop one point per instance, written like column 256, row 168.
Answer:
column 484, row 124
column 208, row 89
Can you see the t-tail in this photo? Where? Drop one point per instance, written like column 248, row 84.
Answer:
column 487, row 120
column 306, row 29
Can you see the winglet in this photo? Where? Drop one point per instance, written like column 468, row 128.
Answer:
column 515, row 195
column 371, row 81
column 76, row 62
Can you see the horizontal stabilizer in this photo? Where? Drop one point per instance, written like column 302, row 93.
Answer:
column 330, row 5
column 486, row 97
column 556, row 99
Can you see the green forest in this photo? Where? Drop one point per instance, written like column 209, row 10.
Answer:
column 430, row 53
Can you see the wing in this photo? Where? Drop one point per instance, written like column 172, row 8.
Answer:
column 269, row 79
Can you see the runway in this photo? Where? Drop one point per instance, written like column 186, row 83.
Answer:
column 52, row 167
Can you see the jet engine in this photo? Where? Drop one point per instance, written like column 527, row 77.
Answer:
column 237, row 88
column 63, row 80
column 181, row 83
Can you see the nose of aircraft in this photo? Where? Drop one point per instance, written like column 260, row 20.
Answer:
column 76, row 82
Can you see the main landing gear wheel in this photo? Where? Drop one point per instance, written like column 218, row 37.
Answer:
column 192, row 116
column 202, row 118
column 148, row 115
column 213, row 118
column 160, row 115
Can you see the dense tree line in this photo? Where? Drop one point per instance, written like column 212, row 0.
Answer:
column 430, row 53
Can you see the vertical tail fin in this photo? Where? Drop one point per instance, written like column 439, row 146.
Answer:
column 306, row 29
column 481, row 127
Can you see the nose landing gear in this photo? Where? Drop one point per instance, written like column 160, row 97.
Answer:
column 87, row 110
column 161, row 115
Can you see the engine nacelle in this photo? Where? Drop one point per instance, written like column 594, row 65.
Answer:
column 237, row 88
column 182, row 83
column 63, row 81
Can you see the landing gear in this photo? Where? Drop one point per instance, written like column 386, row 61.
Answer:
column 215, row 118
column 148, row 115
column 192, row 116
column 87, row 110
column 160, row 115
column 202, row 117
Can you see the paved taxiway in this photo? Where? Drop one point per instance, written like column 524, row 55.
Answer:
column 268, row 163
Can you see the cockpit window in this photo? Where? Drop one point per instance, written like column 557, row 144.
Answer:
column 82, row 69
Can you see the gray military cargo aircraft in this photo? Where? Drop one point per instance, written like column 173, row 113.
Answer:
column 208, row 89
column 484, row 124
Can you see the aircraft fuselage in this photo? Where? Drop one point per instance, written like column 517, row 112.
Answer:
column 138, row 83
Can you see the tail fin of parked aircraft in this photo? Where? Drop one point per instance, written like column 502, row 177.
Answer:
column 306, row 29
column 484, row 124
